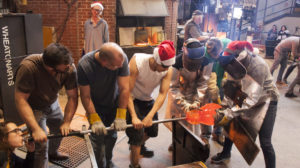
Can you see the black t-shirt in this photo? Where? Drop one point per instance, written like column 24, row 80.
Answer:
column 178, row 64
column 103, row 84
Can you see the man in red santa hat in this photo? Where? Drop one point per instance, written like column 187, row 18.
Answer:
column 147, row 71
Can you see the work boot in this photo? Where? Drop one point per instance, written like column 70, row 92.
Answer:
column 291, row 95
column 219, row 158
column 58, row 156
column 145, row 152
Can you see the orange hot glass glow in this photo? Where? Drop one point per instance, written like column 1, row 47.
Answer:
column 204, row 115
column 141, row 44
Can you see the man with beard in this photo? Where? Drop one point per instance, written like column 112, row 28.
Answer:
column 38, row 80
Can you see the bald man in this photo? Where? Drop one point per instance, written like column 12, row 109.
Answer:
column 103, row 77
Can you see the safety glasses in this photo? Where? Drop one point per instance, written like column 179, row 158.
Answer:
column 16, row 130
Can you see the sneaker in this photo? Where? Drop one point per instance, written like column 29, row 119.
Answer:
column 110, row 164
column 137, row 166
column 170, row 148
column 280, row 83
column 290, row 95
column 145, row 152
column 219, row 158
column 58, row 156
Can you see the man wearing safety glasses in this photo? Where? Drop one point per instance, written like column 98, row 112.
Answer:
column 95, row 29
column 38, row 81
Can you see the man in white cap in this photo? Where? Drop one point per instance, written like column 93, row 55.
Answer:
column 147, row 71
column 95, row 29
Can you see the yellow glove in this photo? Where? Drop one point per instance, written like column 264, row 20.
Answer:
column 120, row 121
column 96, row 124
column 121, row 113
column 212, row 87
column 94, row 117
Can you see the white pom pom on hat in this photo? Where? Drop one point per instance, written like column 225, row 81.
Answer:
column 164, row 54
column 97, row 3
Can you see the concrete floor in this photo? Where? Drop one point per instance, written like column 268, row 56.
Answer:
column 285, row 138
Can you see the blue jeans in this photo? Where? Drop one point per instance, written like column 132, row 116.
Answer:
column 53, row 118
column 265, row 137
column 282, row 59
column 295, row 81
column 103, row 146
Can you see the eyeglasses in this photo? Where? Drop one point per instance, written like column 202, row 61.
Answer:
column 97, row 10
column 17, row 130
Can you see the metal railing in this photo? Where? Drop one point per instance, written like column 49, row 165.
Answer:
column 276, row 10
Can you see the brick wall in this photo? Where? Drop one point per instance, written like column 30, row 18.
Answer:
column 54, row 14
column 171, row 20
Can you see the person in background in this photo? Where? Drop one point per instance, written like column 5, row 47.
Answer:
column 283, row 33
column 10, row 139
column 272, row 34
column 192, row 28
column 290, row 44
column 147, row 71
column 95, row 29
column 103, row 78
column 39, row 78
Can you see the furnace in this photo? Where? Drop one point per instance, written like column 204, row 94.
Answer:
column 139, row 28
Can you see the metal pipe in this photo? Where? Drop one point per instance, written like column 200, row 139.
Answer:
column 78, row 133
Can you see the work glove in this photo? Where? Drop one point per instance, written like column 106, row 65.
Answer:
column 120, row 121
column 223, row 116
column 98, row 127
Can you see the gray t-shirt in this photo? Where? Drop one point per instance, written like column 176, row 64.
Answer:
column 102, row 82
column 259, row 71
column 95, row 36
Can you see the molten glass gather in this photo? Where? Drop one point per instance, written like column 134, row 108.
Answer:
column 204, row 115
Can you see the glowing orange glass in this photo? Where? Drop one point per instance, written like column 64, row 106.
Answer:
column 204, row 115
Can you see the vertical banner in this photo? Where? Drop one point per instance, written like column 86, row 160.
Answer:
column 13, row 48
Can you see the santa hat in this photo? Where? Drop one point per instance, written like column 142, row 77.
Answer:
column 97, row 3
column 164, row 54
column 236, row 47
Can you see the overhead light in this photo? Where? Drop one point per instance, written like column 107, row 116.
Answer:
column 237, row 13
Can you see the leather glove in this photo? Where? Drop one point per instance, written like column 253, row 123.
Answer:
column 98, row 127
column 223, row 117
column 120, row 121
